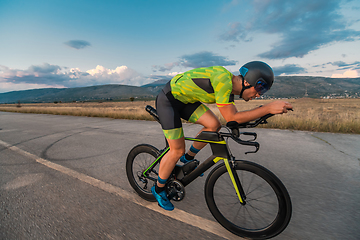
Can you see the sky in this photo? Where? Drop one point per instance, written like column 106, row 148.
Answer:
column 63, row 44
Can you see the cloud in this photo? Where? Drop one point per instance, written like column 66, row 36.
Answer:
column 205, row 59
column 154, row 77
column 35, row 74
column 344, row 65
column 347, row 74
column 166, row 67
column 47, row 75
column 119, row 75
column 45, row 68
column 303, row 26
column 235, row 33
column 77, row 44
column 288, row 69
column 341, row 65
column 200, row 59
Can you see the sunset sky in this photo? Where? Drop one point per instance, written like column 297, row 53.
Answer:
column 83, row 43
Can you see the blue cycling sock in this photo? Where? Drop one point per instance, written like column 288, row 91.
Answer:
column 161, row 181
column 160, row 189
column 194, row 150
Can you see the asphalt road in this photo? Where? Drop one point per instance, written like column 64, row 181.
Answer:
column 63, row 177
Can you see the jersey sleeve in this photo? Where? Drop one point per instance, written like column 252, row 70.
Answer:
column 222, row 89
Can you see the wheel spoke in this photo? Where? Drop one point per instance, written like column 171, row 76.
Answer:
column 257, row 209
column 250, row 182
column 254, row 189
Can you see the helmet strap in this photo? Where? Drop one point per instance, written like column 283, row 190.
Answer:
column 243, row 86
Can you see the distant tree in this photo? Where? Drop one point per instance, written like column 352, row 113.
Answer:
column 18, row 105
column 132, row 99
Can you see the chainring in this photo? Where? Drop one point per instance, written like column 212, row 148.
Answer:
column 175, row 190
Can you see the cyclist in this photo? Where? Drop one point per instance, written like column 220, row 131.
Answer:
column 183, row 97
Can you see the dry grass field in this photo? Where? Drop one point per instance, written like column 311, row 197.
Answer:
column 321, row 115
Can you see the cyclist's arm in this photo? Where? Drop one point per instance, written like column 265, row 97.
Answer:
column 230, row 113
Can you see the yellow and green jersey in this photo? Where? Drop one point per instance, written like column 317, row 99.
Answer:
column 207, row 85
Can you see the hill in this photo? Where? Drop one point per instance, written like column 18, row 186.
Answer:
column 93, row 93
column 284, row 87
column 161, row 82
column 314, row 87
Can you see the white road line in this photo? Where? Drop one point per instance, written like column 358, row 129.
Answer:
column 180, row 215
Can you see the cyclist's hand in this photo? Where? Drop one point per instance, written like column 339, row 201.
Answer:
column 279, row 107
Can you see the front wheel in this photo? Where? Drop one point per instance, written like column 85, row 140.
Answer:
column 140, row 158
column 267, row 211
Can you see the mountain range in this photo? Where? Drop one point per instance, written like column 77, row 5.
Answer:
column 284, row 87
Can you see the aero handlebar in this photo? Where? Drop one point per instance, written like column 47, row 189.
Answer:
column 235, row 133
column 234, row 127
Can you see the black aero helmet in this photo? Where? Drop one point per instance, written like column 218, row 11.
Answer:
column 257, row 74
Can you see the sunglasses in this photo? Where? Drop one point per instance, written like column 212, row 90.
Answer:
column 261, row 86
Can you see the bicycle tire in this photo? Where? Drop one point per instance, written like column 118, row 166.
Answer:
column 138, row 160
column 266, row 197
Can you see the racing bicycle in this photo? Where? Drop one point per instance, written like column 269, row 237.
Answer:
column 244, row 197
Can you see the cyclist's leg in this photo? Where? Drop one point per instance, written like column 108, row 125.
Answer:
column 210, row 123
column 168, row 111
column 204, row 116
column 168, row 162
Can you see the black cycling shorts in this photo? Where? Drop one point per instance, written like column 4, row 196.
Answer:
column 171, row 110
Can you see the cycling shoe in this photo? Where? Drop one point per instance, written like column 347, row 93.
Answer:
column 162, row 199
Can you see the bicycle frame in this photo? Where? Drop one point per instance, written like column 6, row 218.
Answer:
column 220, row 152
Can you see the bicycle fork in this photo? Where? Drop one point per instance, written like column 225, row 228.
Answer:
column 230, row 167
